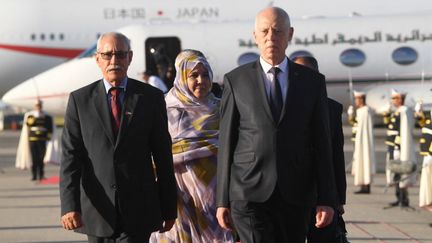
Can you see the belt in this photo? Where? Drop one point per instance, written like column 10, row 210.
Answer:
column 426, row 130
column 38, row 129
column 392, row 133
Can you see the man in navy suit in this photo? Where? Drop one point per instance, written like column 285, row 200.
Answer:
column 117, row 182
column 274, row 124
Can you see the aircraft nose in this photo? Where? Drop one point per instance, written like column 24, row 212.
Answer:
column 54, row 85
column 24, row 95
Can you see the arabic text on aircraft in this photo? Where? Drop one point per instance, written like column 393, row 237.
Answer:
column 377, row 36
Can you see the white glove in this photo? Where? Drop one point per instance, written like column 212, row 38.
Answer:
column 418, row 107
column 387, row 108
column 350, row 110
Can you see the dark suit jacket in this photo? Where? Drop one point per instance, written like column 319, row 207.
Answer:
column 257, row 153
column 337, row 138
column 101, row 175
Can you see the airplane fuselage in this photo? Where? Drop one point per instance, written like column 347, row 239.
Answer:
column 365, row 50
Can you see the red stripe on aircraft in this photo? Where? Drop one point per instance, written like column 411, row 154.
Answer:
column 46, row 51
column 41, row 97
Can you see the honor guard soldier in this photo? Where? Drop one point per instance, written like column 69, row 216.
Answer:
column 40, row 128
column 425, row 191
column 363, row 164
column 400, row 125
column 352, row 121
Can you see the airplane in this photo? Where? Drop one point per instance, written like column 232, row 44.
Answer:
column 38, row 34
column 373, row 50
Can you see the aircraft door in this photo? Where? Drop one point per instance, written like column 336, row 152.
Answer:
column 160, row 54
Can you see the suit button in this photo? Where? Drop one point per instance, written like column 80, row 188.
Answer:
column 114, row 186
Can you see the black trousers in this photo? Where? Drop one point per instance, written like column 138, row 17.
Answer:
column 122, row 238
column 37, row 149
column 119, row 235
column 272, row 221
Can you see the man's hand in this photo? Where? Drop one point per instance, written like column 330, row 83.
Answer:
column 223, row 216
column 167, row 225
column 324, row 216
column 71, row 220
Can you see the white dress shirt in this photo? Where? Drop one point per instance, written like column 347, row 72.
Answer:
column 282, row 76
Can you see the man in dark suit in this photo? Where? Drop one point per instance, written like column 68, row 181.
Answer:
column 116, row 177
column 274, row 123
column 337, row 227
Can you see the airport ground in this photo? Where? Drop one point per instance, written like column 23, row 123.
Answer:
column 30, row 212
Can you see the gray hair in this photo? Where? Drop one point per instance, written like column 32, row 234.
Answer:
column 279, row 12
column 115, row 35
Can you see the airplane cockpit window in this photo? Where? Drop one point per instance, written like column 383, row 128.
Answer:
column 352, row 57
column 247, row 57
column 300, row 54
column 88, row 53
column 404, row 55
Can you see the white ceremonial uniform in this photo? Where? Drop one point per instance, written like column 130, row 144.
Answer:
column 364, row 165
column 406, row 151
column 425, row 191
column 23, row 157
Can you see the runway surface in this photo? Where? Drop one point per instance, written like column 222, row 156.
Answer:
column 30, row 212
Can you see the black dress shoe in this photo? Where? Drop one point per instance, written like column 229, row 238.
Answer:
column 405, row 204
column 394, row 204
column 363, row 190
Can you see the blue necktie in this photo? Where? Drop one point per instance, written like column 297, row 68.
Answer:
column 276, row 101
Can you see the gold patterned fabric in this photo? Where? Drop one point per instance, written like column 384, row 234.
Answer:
column 194, row 128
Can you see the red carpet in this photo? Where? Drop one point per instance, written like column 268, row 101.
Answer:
column 50, row 180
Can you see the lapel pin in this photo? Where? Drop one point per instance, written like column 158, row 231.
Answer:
column 128, row 113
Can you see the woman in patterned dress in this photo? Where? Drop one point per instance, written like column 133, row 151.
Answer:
column 193, row 120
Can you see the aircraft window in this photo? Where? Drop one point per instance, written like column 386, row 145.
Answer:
column 61, row 36
column 42, row 36
column 404, row 55
column 352, row 57
column 33, row 37
column 52, row 36
column 300, row 54
column 88, row 53
column 247, row 57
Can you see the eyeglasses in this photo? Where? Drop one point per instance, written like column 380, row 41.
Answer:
column 118, row 54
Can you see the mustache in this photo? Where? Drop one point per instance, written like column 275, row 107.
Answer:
column 114, row 68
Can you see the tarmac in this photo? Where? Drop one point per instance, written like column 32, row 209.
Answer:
column 30, row 212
